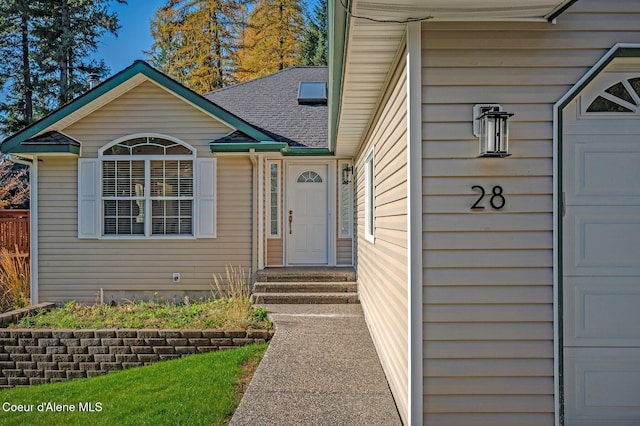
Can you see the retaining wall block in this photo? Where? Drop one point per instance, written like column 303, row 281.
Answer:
column 31, row 357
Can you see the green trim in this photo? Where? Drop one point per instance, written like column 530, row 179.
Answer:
column 269, row 146
column 618, row 51
column 12, row 143
column 560, row 11
column 46, row 149
column 339, row 30
column 304, row 151
column 248, row 146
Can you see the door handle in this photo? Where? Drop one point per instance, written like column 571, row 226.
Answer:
column 290, row 220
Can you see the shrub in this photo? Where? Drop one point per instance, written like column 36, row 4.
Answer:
column 15, row 281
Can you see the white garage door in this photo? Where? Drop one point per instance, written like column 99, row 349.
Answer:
column 601, row 253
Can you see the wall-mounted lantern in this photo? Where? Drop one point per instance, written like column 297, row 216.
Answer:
column 347, row 173
column 491, row 125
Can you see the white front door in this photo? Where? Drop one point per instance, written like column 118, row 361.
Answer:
column 306, row 215
column 601, row 254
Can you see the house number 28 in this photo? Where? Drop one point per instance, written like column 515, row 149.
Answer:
column 496, row 198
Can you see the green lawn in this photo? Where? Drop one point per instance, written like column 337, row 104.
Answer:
column 197, row 390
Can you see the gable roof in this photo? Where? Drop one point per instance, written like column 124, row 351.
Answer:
column 110, row 89
column 270, row 103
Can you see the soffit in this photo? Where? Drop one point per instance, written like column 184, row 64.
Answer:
column 373, row 40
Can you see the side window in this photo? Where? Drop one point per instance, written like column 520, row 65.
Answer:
column 274, row 199
column 345, row 200
column 369, row 197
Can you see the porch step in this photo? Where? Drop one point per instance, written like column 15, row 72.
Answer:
column 307, row 274
column 305, row 298
column 306, row 287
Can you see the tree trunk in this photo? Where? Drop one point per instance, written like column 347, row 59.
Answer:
column 63, row 63
column 26, row 69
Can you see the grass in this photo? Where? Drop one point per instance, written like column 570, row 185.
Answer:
column 14, row 281
column 197, row 390
column 212, row 314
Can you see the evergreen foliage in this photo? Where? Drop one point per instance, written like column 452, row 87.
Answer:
column 315, row 46
column 46, row 47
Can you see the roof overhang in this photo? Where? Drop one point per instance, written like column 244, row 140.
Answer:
column 268, row 147
column 365, row 36
column 122, row 82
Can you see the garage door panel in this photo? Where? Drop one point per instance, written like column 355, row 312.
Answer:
column 602, row 384
column 602, row 311
column 602, row 240
column 604, row 170
column 601, row 254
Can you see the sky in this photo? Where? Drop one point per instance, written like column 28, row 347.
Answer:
column 134, row 36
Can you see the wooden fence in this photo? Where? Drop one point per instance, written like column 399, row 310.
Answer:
column 14, row 231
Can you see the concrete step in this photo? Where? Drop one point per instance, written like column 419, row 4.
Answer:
column 306, row 287
column 307, row 274
column 304, row 298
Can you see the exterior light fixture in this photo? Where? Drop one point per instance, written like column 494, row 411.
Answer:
column 491, row 125
column 347, row 173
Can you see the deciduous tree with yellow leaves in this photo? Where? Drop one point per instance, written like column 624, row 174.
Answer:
column 272, row 39
column 195, row 41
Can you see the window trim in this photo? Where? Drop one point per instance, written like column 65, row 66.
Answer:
column 369, row 197
column 278, row 217
column 148, row 199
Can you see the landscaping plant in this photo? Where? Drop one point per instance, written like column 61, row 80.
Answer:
column 234, row 289
column 15, row 281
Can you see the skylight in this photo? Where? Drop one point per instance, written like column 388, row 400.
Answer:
column 312, row 92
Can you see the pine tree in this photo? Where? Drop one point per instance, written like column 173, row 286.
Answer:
column 16, row 67
column 315, row 46
column 68, row 34
column 195, row 41
column 272, row 39
column 45, row 48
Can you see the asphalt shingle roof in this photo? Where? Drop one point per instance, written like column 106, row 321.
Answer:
column 271, row 104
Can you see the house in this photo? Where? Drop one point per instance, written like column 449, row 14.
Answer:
column 143, row 188
column 511, row 289
column 498, row 289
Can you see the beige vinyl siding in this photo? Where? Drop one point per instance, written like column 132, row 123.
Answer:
column 382, row 266
column 70, row 268
column 275, row 252
column 147, row 108
column 344, row 254
column 488, row 313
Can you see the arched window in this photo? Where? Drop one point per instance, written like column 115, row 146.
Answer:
column 309, row 177
column 147, row 187
column 621, row 97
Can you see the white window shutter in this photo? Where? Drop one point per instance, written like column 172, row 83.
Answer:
column 206, row 198
column 88, row 198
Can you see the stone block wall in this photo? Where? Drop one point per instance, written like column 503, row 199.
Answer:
column 35, row 356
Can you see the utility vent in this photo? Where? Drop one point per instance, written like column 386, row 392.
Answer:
column 312, row 92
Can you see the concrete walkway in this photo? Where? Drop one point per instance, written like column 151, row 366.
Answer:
column 321, row 368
